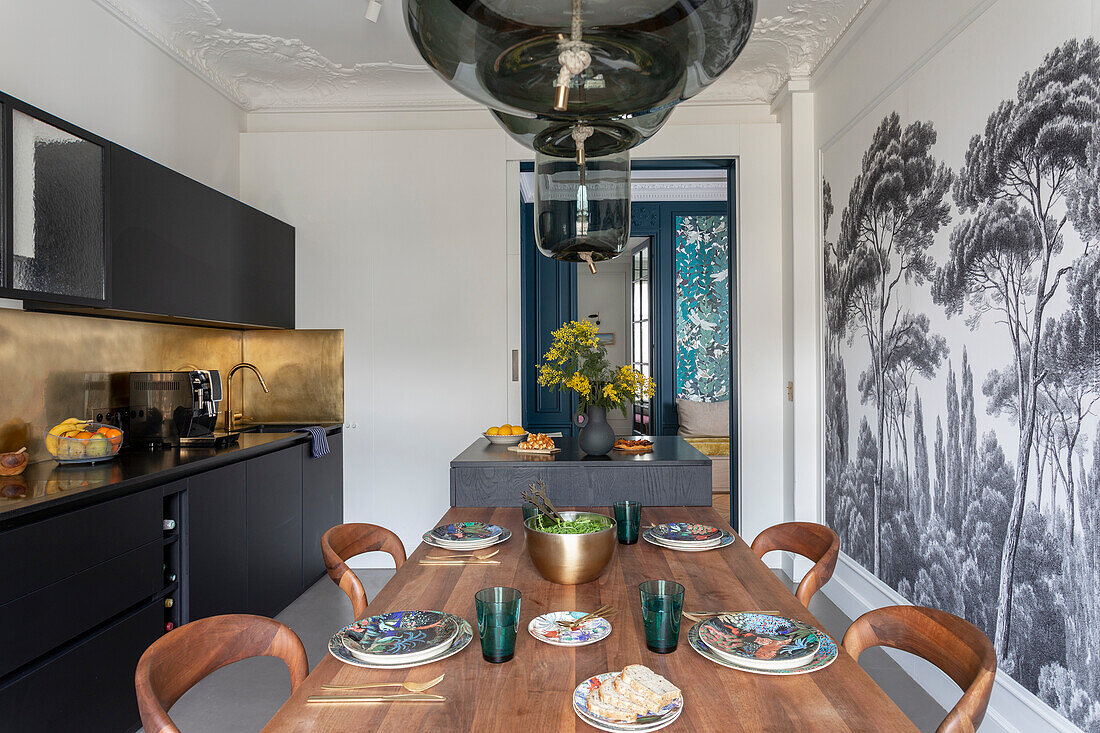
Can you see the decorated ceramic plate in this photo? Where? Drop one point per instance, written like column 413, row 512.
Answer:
column 665, row 716
column 825, row 655
column 465, row 633
column 502, row 537
column 466, row 532
column 546, row 628
column 761, row 640
column 401, row 636
column 727, row 538
column 685, row 532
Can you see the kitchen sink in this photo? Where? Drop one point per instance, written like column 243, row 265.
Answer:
column 279, row 427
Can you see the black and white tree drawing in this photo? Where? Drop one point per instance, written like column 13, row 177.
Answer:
column 987, row 504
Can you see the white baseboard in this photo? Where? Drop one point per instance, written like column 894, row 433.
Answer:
column 1012, row 708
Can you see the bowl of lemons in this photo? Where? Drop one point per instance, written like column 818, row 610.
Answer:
column 83, row 441
column 506, row 434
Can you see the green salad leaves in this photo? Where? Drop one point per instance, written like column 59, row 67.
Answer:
column 582, row 525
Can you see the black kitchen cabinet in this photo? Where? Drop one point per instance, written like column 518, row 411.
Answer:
column 322, row 503
column 54, row 243
column 182, row 250
column 88, row 686
column 273, row 530
column 217, row 563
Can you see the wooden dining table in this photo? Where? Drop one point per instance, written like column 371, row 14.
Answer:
column 533, row 691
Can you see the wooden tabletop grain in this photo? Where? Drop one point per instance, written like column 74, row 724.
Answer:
column 533, row 691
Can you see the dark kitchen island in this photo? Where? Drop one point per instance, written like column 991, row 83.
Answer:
column 673, row 474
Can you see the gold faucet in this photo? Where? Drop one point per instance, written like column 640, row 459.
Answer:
column 229, row 417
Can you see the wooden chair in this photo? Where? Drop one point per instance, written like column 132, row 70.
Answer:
column 345, row 541
column 955, row 645
column 176, row 661
column 814, row 541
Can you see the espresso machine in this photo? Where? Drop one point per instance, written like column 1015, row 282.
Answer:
column 175, row 408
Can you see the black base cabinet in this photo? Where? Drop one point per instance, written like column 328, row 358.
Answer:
column 87, row 688
column 216, row 565
column 86, row 594
column 322, row 504
column 273, row 530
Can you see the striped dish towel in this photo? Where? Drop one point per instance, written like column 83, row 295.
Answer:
column 318, row 440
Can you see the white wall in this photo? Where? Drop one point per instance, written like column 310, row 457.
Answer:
column 75, row 60
column 405, row 241
column 608, row 293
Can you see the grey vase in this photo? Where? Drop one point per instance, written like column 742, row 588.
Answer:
column 597, row 437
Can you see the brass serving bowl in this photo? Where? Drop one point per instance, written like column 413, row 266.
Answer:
column 571, row 559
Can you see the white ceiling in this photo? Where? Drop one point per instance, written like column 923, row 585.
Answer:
column 281, row 55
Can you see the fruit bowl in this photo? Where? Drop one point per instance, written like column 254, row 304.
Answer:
column 83, row 441
column 506, row 439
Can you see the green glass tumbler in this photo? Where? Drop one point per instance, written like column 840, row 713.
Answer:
column 497, row 622
column 662, row 603
column 529, row 510
column 628, row 517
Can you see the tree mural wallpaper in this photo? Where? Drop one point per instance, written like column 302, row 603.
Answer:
column 982, row 274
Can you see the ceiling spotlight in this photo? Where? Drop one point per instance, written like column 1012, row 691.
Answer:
column 374, row 7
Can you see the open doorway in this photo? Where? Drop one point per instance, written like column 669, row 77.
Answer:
column 666, row 306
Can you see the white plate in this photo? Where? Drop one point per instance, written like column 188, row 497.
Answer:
column 728, row 538
column 504, row 537
column 543, row 628
column 580, row 707
column 624, row 727
column 465, row 634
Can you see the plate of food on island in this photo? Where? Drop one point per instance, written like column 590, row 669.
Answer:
column 633, row 445
column 536, row 443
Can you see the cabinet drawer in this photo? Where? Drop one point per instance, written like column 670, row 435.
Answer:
column 89, row 688
column 40, row 554
column 38, row 622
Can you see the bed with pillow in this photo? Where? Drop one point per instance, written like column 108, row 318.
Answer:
column 706, row 426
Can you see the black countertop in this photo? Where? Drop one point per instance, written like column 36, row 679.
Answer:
column 667, row 449
column 51, row 487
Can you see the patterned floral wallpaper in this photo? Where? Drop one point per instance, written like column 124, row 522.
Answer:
column 702, row 308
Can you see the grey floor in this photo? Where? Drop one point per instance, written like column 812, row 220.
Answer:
column 243, row 696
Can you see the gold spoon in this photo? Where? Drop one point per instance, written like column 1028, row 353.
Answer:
column 410, row 686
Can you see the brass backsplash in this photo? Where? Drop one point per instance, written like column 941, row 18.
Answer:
column 54, row 366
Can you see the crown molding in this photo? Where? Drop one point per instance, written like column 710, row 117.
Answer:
column 265, row 73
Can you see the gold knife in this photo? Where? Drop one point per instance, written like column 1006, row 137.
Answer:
column 376, row 698
column 460, row 562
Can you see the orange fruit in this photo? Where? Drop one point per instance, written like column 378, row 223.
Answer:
column 518, row 430
column 493, row 431
column 506, row 429
column 113, row 434
column 84, row 435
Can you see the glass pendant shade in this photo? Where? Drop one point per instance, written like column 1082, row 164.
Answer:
column 579, row 60
column 582, row 212
column 554, row 137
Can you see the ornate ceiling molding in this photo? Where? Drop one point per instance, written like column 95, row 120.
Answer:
column 273, row 74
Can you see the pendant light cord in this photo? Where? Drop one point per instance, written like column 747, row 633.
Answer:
column 574, row 58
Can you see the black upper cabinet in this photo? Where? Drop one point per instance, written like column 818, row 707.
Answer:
column 182, row 250
column 54, row 214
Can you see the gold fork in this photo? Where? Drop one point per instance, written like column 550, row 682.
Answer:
column 478, row 555
column 410, row 686
column 603, row 611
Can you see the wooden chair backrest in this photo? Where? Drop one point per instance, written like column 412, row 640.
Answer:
column 814, row 541
column 345, row 541
column 955, row 645
column 176, row 661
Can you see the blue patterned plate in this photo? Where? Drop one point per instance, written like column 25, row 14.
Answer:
column 727, row 538
column 826, row 654
column 463, row 532
column 546, row 628
column 400, row 636
column 761, row 640
column 465, row 633
column 590, row 686
column 686, row 532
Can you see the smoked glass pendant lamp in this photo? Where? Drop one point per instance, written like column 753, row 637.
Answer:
column 582, row 208
column 579, row 59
